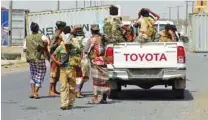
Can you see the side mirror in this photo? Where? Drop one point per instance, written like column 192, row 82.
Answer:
column 184, row 39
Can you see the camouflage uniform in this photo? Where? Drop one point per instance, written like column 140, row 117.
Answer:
column 146, row 30
column 112, row 29
column 164, row 37
column 76, row 53
column 67, row 76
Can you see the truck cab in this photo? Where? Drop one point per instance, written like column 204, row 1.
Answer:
column 160, row 25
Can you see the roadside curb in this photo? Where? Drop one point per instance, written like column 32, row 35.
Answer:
column 13, row 63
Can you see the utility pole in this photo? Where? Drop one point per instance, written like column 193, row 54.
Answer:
column 58, row 5
column 76, row 4
column 186, row 25
column 84, row 3
column 192, row 6
column 90, row 3
column 10, row 24
column 170, row 12
column 178, row 13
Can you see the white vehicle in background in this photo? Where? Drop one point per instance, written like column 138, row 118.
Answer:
column 160, row 25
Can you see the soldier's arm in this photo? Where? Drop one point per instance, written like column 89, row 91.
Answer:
column 24, row 46
column 87, row 47
column 172, row 35
column 154, row 14
column 56, row 52
column 137, row 24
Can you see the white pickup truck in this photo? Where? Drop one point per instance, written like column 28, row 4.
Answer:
column 147, row 65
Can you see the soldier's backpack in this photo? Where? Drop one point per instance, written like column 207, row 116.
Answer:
column 112, row 29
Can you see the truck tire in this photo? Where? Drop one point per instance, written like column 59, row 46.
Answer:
column 178, row 88
column 119, row 87
column 179, row 93
column 113, row 94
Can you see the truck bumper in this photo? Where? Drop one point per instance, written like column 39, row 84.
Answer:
column 163, row 74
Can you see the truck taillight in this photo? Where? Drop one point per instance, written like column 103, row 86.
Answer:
column 181, row 58
column 109, row 55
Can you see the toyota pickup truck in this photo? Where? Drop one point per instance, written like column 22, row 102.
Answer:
column 147, row 65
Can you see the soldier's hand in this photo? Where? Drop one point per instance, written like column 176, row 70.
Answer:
column 58, row 62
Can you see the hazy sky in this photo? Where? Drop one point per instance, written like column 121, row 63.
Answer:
column 128, row 8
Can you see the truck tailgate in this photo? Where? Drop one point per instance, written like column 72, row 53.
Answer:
column 147, row 55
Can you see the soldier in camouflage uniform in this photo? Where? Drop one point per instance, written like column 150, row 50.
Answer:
column 146, row 25
column 55, row 69
column 167, row 35
column 77, row 39
column 62, row 56
column 112, row 26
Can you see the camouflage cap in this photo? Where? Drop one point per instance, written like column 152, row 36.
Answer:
column 95, row 27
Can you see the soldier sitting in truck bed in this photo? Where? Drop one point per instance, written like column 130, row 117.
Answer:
column 146, row 25
column 168, row 35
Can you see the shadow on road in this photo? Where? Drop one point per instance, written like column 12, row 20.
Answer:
column 49, row 97
column 81, row 107
column 152, row 95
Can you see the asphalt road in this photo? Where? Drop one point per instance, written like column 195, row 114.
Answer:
column 135, row 104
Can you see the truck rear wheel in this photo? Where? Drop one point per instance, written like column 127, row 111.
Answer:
column 179, row 93
column 178, row 87
column 119, row 87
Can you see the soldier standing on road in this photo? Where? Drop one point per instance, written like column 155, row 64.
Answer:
column 78, row 37
column 95, row 49
column 55, row 69
column 61, row 56
column 35, row 49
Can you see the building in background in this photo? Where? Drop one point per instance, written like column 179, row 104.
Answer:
column 18, row 26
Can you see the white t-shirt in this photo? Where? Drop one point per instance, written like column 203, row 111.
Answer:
column 44, row 38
